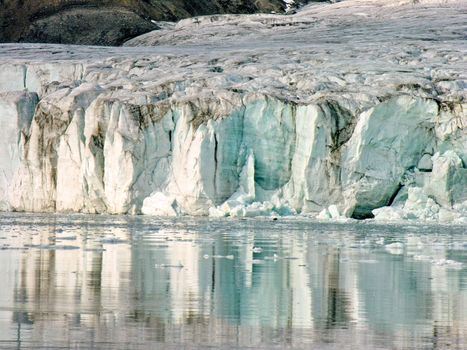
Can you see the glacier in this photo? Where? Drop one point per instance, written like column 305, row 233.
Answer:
column 344, row 110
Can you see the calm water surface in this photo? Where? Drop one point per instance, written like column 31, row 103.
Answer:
column 141, row 283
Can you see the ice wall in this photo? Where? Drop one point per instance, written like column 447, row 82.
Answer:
column 312, row 113
column 80, row 149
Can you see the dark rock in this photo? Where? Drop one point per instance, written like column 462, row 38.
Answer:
column 107, row 22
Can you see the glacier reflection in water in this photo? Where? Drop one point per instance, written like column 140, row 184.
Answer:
column 136, row 282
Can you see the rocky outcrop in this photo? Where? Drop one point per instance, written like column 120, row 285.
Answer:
column 108, row 22
column 87, row 26
column 225, row 132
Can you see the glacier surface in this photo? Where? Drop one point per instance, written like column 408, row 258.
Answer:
column 341, row 110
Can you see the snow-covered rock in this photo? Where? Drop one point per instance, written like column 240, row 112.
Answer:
column 299, row 114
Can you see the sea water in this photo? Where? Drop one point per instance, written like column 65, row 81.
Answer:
column 120, row 282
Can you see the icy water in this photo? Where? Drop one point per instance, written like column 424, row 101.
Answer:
column 141, row 283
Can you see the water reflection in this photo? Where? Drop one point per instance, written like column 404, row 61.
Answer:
column 106, row 282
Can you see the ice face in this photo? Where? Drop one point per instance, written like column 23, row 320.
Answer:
column 388, row 140
column 270, row 124
column 16, row 113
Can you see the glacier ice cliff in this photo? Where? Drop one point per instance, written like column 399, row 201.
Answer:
column 345, row 110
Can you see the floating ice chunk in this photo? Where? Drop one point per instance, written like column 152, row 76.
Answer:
column 367, row 261
column 452, row 264
column 414, row 242
column 238, row 211
column 380, row 241
column 274, row 257
column 461, row 207
column 238, row 203
column 417, row 199
column 243, row 202
column 161, row 205
column 234, row 208
column 420, row 206
column 461, row 221
column 423, row 258
column 228, row 257
column 258, row 209
column 217, row 212
column 446, row 215
column 396, row 248
column 324, row 215
column 447, row 263
column 395, row 245
column 388, row 214
column 332, row 212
